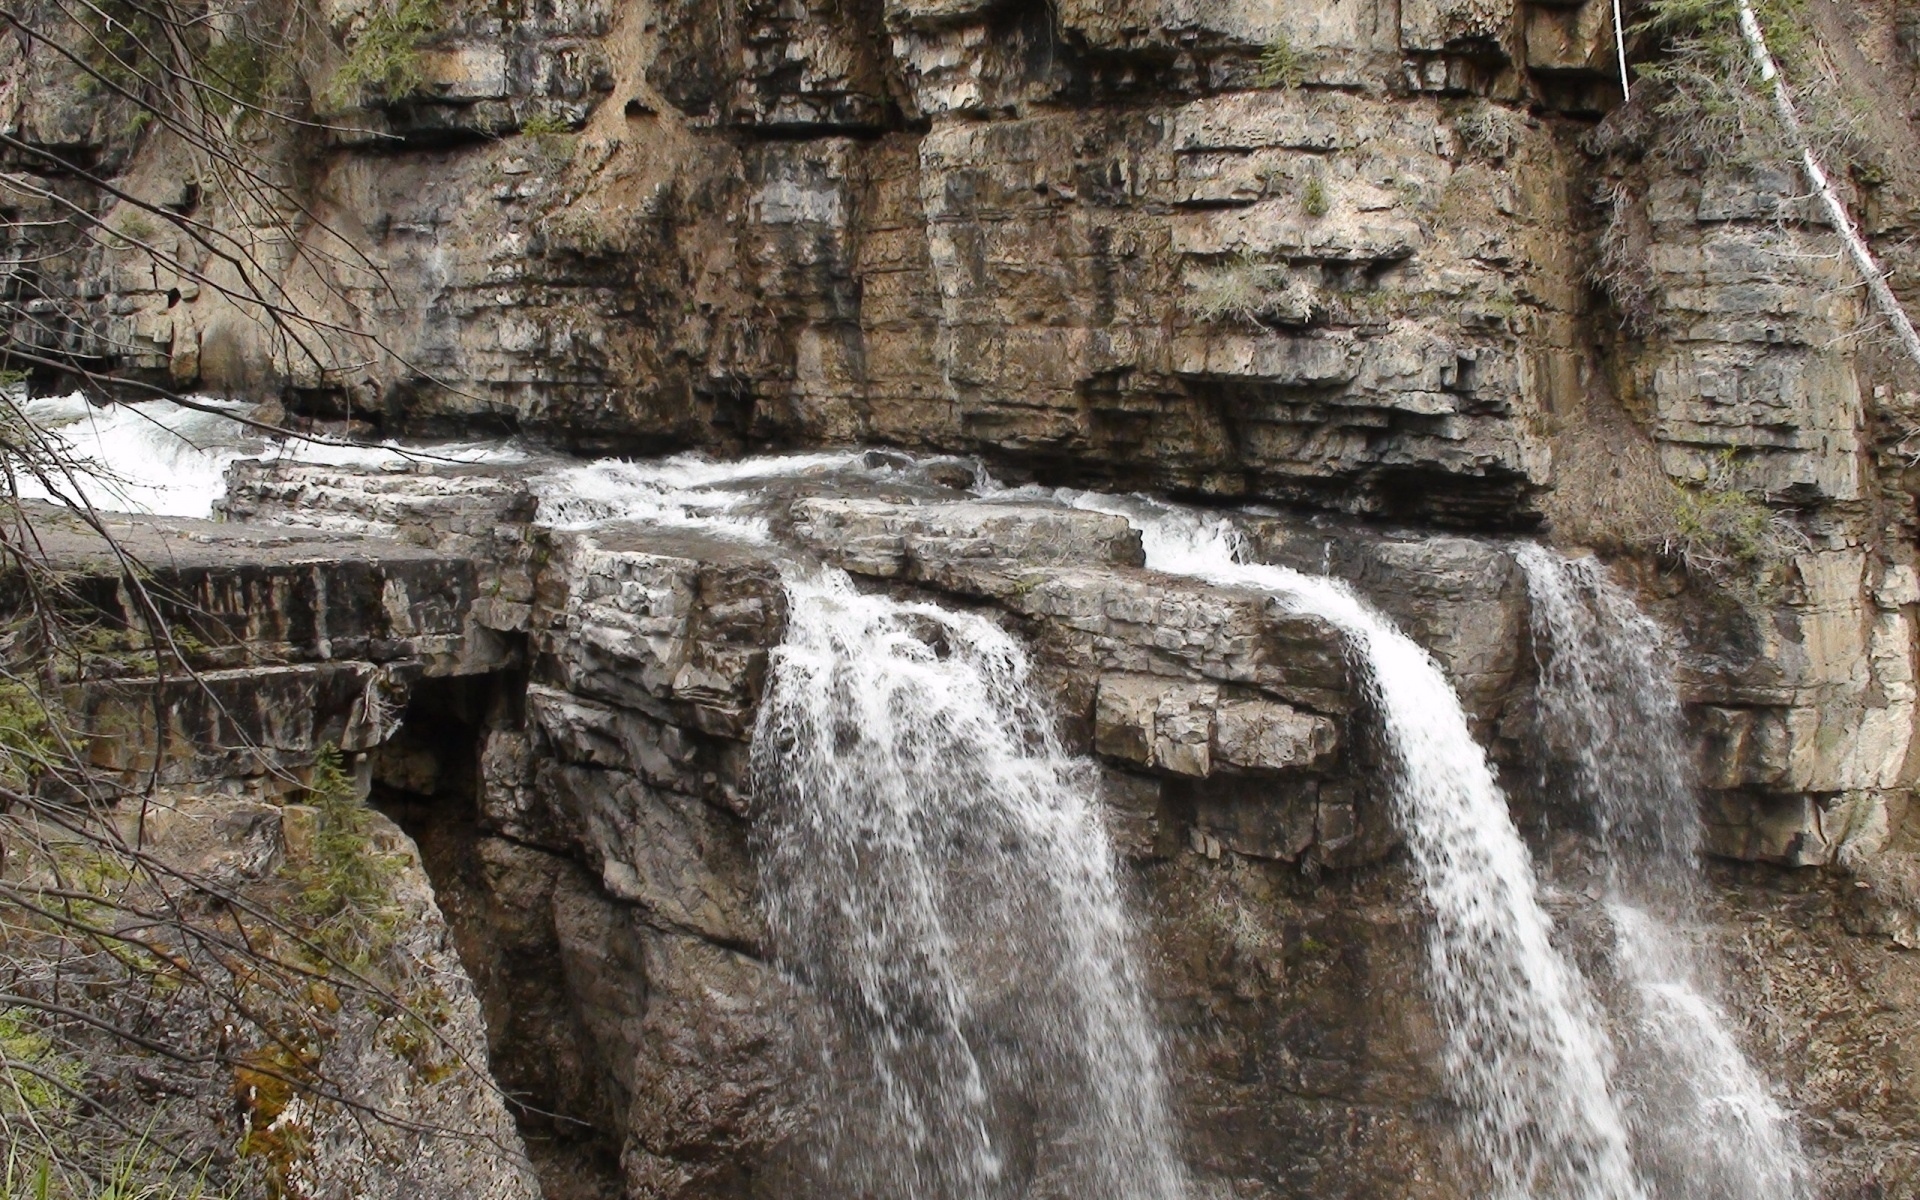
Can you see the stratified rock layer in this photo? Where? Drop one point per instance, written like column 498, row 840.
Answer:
column 1409, row 261
column 589, row 825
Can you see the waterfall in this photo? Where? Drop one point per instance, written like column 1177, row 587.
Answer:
column 936, row 874
column 936, row 870
column 1705, row 1122
column 1525, row 1051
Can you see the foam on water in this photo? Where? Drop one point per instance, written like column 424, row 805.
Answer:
column 687, row 490
column 1526, row 1051
column 1706, row 1124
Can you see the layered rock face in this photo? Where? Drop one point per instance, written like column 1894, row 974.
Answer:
column 288, row 641
column 1088, row 241
column 589, row 826
column 1408, row 263
column 1338, row 256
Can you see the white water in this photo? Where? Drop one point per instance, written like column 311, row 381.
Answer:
column 687, row 491
column 935, row 872
column 1526, row 1051
column 936, row 869
column 165, row 459
column 938, row 875
column 1706, row 1125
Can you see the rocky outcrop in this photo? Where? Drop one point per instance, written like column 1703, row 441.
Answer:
column 271, row 642
column 372, row 1083
column 1405, row 261
column 597, row 854
column 1088, row 243
column 1408, row 263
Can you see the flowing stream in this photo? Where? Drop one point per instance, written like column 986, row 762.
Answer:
column 1526, row 1049
column 1705, row 1123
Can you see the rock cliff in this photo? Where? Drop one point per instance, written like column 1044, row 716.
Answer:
column 1407, row 273
column 569, row 744
column 1106, row 244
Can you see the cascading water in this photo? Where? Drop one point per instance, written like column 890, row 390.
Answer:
column 1705, row 1123
column 162, row 458
column 936, row 870
column 936, row 874
column 1526, row 1050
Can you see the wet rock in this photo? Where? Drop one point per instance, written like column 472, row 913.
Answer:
column 676, row 625
column 1186, row 728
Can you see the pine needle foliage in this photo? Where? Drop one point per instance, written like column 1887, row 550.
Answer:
column 384, row 58
column 346, row 882
column 1715, row 110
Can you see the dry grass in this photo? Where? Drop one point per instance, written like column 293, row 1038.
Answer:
column 1610, row 492
column 1246, row 289
column 1621, row 266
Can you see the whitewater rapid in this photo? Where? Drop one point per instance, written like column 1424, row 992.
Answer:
column 160, row 458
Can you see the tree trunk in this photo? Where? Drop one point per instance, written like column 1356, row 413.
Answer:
column 1857, row 249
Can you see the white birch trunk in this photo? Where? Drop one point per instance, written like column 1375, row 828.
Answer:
column 1883, row 298
column 1620, row 49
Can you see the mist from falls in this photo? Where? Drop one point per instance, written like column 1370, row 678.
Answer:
column 1705, row 1123
column 1526, row 1051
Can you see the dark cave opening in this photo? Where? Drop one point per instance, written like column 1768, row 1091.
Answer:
column 496, row 897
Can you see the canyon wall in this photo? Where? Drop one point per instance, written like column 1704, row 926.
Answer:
column 1406, row 272
column 1102, row 244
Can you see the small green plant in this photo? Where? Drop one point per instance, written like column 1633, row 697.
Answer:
column 345, row 882
column 27, row 742
column 548, row 135
column 413, row 1033
column 544, row 124
column 121, row 39
column 384, row 56
column 1314, row 200
column 1280, row 64
column 142, row 1171
column 239, row 72
column 1719, row 527
column 135, row 229
column 35, row 1078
